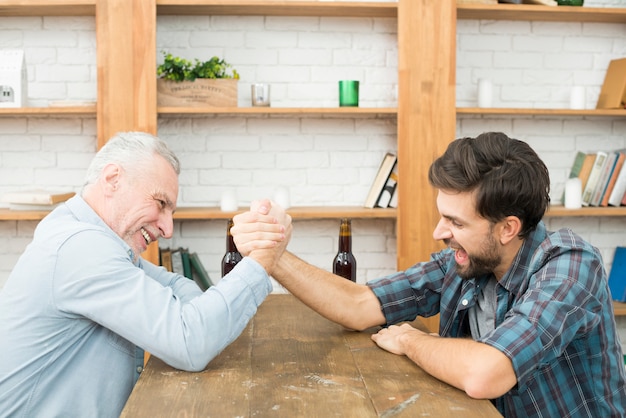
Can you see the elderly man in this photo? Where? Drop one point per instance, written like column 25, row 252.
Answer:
column 81, row 305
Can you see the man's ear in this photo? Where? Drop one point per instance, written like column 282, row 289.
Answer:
column 509, row 229
column 111, row 177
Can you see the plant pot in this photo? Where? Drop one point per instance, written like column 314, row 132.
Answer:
column 202, row 92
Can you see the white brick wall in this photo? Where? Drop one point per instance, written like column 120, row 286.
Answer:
column 321, row 160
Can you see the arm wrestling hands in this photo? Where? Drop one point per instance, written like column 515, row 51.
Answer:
column 262, row 233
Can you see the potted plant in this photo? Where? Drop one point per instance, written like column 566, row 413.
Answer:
column 182, row 82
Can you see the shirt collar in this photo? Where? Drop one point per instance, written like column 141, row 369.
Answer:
column 85, row 213
column 522, row 261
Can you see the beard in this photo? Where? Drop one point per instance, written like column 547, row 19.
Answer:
column 483, row 263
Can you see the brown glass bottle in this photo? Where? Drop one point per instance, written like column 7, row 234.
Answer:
column 344, row 264
column 232, row 256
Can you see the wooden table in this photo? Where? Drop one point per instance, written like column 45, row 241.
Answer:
column 291, row 362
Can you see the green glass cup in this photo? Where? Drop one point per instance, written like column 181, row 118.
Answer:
column 570, row 2
column 348, row 93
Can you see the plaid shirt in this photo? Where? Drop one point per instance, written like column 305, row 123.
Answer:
column 554, row 320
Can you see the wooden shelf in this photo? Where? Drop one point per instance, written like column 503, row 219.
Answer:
column 22, row 215
column 47, row 7
column 298, row 212
column 526, row 12
column 529, row 12
column 540, row 112
column 277, row 8
column 49, row 111
column 557, row 211
column 325, row 111
column 619, row 308
column 200, row 213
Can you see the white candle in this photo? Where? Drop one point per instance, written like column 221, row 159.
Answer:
column 577, row 98
column 485, row 93
column 573, row 193
column 229, row 203
column 281, row 197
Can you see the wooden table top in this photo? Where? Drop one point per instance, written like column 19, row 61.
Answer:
column 291, row 362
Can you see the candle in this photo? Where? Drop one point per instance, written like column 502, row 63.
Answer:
column 573, row 193
column 577, row 98
column 485, row 93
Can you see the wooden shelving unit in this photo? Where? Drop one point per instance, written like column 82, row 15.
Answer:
column 126, row 32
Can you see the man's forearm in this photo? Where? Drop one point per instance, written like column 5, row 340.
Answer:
column 352, row 305
column 480, row 370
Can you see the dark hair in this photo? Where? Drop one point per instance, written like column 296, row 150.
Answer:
column 509, row 177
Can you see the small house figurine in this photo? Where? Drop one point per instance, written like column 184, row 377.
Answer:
column 13, row 80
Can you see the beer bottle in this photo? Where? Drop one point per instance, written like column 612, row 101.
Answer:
column 344, row 264
column 232, row 256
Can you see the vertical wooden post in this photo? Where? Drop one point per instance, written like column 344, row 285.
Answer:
column 126, row 51
column 426, row 119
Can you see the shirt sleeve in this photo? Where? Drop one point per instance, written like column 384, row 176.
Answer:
column 182, row 326
column 416, row 291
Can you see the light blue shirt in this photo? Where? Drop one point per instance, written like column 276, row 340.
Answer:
column 76, row 312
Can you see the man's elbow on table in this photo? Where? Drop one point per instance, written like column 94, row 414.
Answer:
column 490, row 379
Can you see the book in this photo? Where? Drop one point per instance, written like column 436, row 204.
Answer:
column 613, row 91
column 585, row 170
column 594, row 176
column 390, row 187
column 394, row 197
column 186, row 263
column 619, row 163
column 177, row 261
column 607, row 170
column 615, row 199
column 37, row 197
column 199, row 273
column 165, row 258
column 380, row 180
column 617, row 277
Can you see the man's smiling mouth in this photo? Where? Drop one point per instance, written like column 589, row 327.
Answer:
column 146, row 236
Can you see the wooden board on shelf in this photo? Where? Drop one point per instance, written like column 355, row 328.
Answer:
column 48, row 8
column 49, row 111
column 278, row 8
column 533, row 12
column 326, row 111
column 539, row 112
column 296, row 212
column 619, row 308
column 558, row 210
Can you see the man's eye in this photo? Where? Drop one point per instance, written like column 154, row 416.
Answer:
column 161, row 203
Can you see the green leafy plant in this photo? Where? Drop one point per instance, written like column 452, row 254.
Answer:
column 180, row 69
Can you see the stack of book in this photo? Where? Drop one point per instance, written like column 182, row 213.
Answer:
column 181, row 261
column 36, row 199
column 384, row 190
column 603, row 177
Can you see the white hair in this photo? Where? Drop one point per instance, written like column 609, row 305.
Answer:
column 130, row 150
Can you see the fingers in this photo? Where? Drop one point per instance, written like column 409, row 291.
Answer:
column 264, row 227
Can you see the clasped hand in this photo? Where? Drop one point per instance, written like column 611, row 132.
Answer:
column 262, row 233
